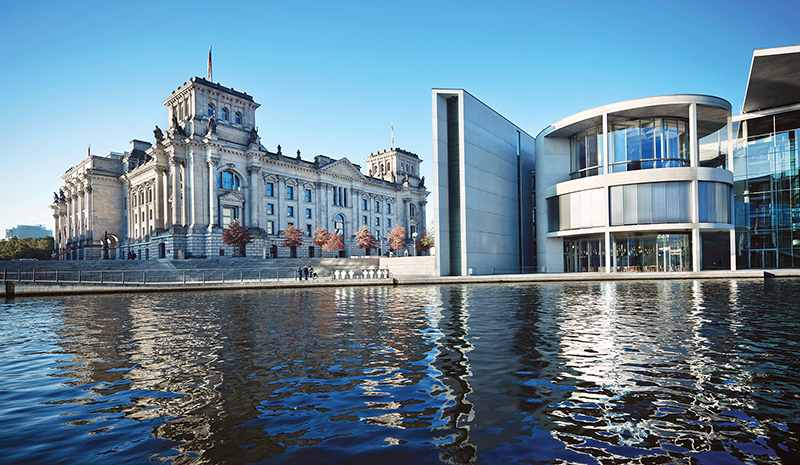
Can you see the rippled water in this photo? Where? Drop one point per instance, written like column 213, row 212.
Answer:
column 620, row 372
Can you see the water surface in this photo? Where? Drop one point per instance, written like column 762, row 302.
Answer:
column 588, row 373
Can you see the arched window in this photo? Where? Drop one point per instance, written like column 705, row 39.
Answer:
column 413, row 211
column 228, row 181
column 237, row 118
column 338, row 224
column 210, row 110
column 225, row 114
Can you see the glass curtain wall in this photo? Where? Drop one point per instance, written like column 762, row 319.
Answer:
column 586, row 156
column 767, row 201
column 584, row 254
column 652, row 252
column 649, row 143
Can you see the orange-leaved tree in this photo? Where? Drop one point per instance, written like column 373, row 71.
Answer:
column 237, row 236
column 321, row 238
column 334, row 242
column 425, row 242
column 292, row 238
column 364, row 239
column 397, row 238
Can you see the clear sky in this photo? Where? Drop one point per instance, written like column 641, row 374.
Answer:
column 333, row 77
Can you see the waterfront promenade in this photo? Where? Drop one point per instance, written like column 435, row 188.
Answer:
column 29, row 278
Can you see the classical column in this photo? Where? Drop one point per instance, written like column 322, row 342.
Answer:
column 213, row 208
column 254, row 220
column 157, row 200
column 74, row 218
column 183, row 196
column 189, row 190
column 164, row 180
column 175, row 193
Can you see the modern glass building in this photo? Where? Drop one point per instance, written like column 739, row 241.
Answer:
column 659, row 184
column 765, row 162
column 629, row 187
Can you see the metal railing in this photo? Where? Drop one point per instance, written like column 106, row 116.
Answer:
column 168, row 276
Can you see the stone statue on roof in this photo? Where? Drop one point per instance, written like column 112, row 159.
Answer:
column 177, row 127
column 253, row 136
column 212, row 126
column 158, row 133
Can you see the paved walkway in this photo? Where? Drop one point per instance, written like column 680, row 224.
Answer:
column 31, row 288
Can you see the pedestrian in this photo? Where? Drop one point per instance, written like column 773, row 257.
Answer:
column 305, row 272
column 299, row 273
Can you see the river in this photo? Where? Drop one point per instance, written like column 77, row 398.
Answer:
column 683, row 371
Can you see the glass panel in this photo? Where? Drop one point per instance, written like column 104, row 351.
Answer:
column 644, row 204
column 630, row 212
column 659, row 199
column 564, row 213
column 648, row 143
column 702, row 201
column 586, row 209
column 617, row 206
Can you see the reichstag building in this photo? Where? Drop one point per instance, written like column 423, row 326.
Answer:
column 172, row 198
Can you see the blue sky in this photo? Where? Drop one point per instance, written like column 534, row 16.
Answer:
column 333, row 77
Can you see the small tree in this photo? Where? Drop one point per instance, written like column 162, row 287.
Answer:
column 425, row 242
column 321, row 238
column 293, row 238
column 365, row 240
column 237, row 236
column 397, row 238
column 334, row 242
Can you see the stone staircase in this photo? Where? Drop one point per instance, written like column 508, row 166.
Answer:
column 285, row 267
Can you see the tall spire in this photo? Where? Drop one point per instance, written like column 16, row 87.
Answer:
column 210, row 75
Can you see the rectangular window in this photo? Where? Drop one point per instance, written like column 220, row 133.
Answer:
column 270, row 227
column 229, row 214
column 290, row 211
column 270, row 189
column 377, row 206
column 308, row 230
column 335, row 196
column 308, row 195
column 290, row 192
column 270, row 209
column 308, row 213
column 389, row 208
column 364, row 220
column 377, row 221
column 389, row 223
column 363, row 204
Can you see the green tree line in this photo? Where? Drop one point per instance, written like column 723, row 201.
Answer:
column 39, row 247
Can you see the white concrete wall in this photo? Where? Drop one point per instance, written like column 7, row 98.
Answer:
column 552, row 167
column 490, row 214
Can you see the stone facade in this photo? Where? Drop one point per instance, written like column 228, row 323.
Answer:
column 172, row 198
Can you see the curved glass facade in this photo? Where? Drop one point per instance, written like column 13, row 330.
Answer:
column 651, row 252
column 636, row 144
column 584, row 254
column 586, row 155
column 648, row 143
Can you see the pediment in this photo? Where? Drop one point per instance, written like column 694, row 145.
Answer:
column 343, row 167
column 231, row 197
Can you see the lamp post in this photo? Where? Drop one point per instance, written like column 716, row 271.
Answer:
column 414, row 244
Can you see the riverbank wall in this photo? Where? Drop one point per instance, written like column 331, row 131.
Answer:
column 28, row 288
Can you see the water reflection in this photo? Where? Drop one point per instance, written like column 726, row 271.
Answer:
column 644, row 372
